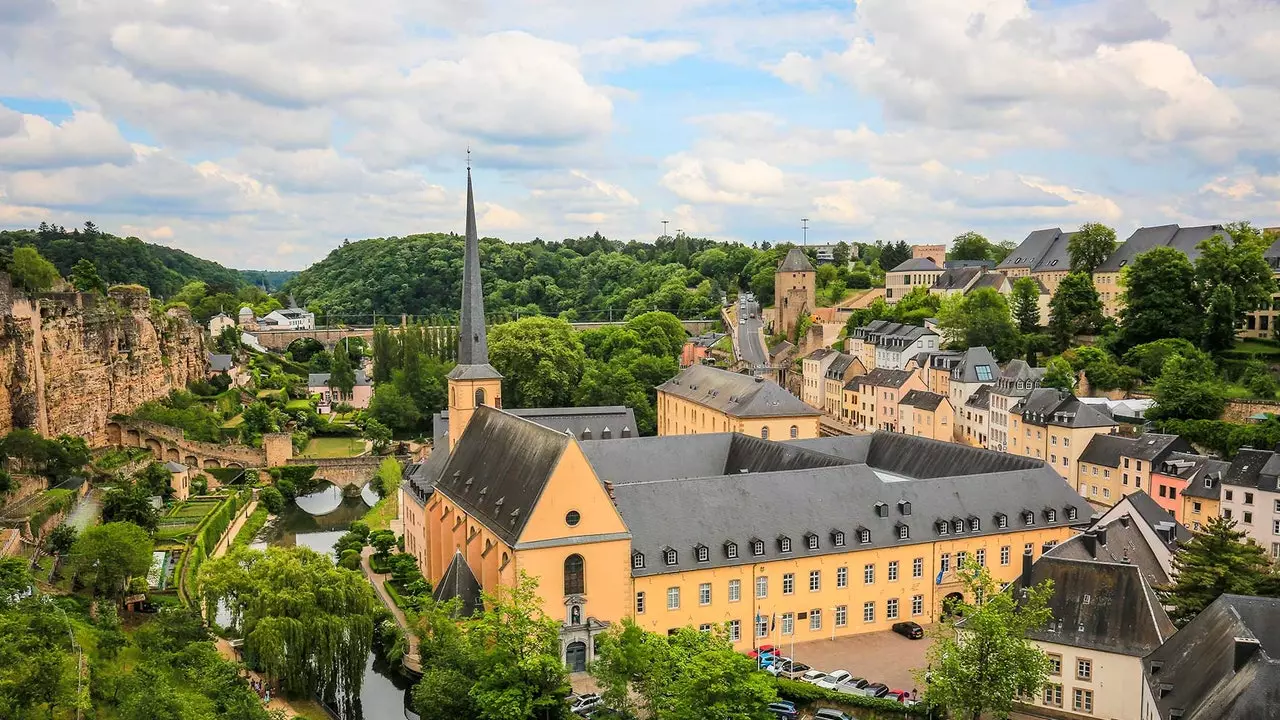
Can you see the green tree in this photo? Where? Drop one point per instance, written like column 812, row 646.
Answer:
column 393, row 407
column 1075, row 309
column 85, row 278
column 970, row 246
column 130, row 502
column 1188, row 388
column 1058, row 374
column 306, row 622
column 272, row 499
column 342, row 376
column 623, row 653
column 378, row 433
column 1220, row 320
column 980, row 667
column 1090, row 247
column 382, row 541
column 662, row 331
column 541, row 361
column 15, row 580
column 61, row 539
column 1149, row 358
column 384, row 352
column 1237, row 262
column 841, row 253
column 979, row 318
column 104, row 557
column 1160, row 299
column 30, row 271
column 1218, row 560
column 1024, row 303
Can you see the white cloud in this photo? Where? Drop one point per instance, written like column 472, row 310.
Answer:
column 620, row 52
column 31, row 141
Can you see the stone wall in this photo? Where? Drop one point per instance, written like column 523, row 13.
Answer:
column 1238, row 411
column 69, row 361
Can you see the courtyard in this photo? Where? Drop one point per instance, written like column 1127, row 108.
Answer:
column 885, row 657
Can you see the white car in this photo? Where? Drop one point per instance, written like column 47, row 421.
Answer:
column 585, row 703
column 813, row 677
column 833, row 678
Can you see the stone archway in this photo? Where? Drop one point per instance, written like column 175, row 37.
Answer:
column 191, row 461
column 211, row 463
column 575, row 656
column 114, row 433
column 951, row 604
column 235, row 465
column 132, row 438
column 155, row 447
column 173, row 455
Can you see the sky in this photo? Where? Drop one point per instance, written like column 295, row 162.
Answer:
column 262, row 133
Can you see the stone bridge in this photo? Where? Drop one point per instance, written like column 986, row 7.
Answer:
column 167, row 443
column 348, row 471
column 279, row 340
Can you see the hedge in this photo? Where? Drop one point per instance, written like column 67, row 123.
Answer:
column 225, row 475
column 206, row 536
column 803, row 693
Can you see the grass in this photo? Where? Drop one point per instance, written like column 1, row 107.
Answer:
column 296, row 405
column 251, row 527
column 1261, row 347
column 333, row 447
column 380, row 516
column 234, row 422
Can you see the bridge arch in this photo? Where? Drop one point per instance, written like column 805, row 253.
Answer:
column 172, row 454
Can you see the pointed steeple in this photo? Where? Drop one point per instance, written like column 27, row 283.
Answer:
column 473, row 341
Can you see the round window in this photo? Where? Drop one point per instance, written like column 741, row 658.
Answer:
column 572, row 518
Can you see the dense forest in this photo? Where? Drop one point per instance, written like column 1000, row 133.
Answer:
column 269, row 280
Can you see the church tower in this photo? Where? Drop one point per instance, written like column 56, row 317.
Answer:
column 473, row 381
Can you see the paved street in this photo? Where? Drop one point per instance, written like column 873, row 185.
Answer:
column 750, row 341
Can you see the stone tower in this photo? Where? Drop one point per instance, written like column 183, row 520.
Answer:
column 794, row 286
column 473, row 381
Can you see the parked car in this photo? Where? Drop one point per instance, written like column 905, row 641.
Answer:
column 795, row 671
column 901, row 696
column 813, row 677
column 852, row 686
column 875, row 690
column 784, row 710
column 833, row 678
column 777, row 666
column 909, row 629
column 762, row 651
column 585, row 703
column 831, row 714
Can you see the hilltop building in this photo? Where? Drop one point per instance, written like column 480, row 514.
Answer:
column 909, row 275
column 218, row 323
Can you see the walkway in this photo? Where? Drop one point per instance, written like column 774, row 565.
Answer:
column 225, row 543
column 86, row 511
column 412, row 661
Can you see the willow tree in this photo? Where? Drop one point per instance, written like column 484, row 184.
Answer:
column 305, row 622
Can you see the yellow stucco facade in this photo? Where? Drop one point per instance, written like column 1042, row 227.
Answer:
column 680, row 416
column 934, row 424
column 465, row 395
column 1059, row 446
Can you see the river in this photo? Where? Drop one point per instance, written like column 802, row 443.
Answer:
column 317, row 521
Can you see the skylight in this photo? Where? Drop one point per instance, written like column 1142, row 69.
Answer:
column 984, row 372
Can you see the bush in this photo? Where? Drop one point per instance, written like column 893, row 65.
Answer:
column 350, row 559
column 859, row 280
column 226, row 476
column 272, row 499
column 802, row 693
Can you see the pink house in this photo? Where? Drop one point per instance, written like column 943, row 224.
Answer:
column 361, row 393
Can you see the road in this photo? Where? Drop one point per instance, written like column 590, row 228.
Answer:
column 750, row 340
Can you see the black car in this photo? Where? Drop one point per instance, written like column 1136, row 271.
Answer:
column 876, row 690
column 909, row 629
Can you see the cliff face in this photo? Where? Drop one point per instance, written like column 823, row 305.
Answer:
column 68, row 361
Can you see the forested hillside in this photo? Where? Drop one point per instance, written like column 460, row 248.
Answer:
column 162, row 270
column 270, row 280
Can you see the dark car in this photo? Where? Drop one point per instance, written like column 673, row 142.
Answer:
column 876, row 690
column 852, row 686
column 831, row 714
column 909, row 629
column 784, row 710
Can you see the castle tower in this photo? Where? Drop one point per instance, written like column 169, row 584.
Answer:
column 473, row 381
column 795, row 285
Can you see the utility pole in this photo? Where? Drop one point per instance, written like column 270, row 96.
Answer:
column 804, row 229
column 664, row 227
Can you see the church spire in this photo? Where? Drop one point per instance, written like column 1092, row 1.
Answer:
column 473, row 342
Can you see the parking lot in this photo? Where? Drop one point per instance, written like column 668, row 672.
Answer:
column 885, row 657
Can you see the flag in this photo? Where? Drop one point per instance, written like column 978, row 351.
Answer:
column 773, row 623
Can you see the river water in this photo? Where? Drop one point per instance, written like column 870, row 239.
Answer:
column 317, row 521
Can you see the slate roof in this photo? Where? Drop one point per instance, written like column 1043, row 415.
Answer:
column 219, row 363
column 1224, row 665
column 499, row 467
column 1118, row 541
column 1155, row 516
column 420, row 478
column 1105, row 450
column 459, row 582
column 1253, row 468
column 780, row 348
column 1207, row 483
column 681, row 514
column 1053, row 406
column 1100, row 606
column 918, row 457
column 990, row 280
column 922, row 399
column 980, row 399
column 702, row 455
column 735, row 394
column 473, row 341
column 1153, row 446
column 175, row 467
column 885, row 377
column 1143, row 239
column 1030, row 250
column 970, row 360
column 581, row 422
column 916, row 264
column 819, row 354
column 956, row 279
column 796, row 261
column 1017, row 379
column 839, row 366
column 322, row 379
column 1055, row 257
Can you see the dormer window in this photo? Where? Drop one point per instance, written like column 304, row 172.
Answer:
column 637, row 560
column 882, row 509
column 811, row 541
column 1050, row 515
column 1028, row 518
column 670, row 556
column 904, row 507
column 757, row 547
column 784, row 544
column 703, row 553
column 944, row 527
column 731, row 550
column 974, row 524
column 837, row 538
column 864, row 536
column 1002, row 520
column 1071, row 513
column 904, row 532
column 957, row 525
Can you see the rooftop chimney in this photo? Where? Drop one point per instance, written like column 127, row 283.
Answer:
column 1090, row 540
column 1026, row 569
column 1124, row 520
column 1245, row 648
column 1102, row 535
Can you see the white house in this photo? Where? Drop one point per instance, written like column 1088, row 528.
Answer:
column 289, row 319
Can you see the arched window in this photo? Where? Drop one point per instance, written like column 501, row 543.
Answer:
column 479, row 397
column 764, row 433
column 795, row 432
column 574, row 583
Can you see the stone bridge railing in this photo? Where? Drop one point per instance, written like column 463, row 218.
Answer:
column 349, row 470
column 167, row 443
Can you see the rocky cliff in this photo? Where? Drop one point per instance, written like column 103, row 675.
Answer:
column 68, row 361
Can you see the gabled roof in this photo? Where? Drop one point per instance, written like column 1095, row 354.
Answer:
column 980, row 399
column 1118, row 538
column 993, row 280
column 1157, row 517
column 1055, row 257
column 922, row 399
column 735, row 394
column 917, row 265
column 1183, row 240
column 819, row 354
column 703, row 455
column 1029, row 252
column 1154, row 446
column 499, row 467
column 1105, row 450
column 219, row 363
column 1053, row 406
column 599, row 422
column 175, row 467
column 322, row 379
column 1224, row 665
column 839, row 366
column 972, row 360
column 1100, row 606
column 886, row 377
column 459, row 582
column 956, row 279
column 795, row 261
column 1247, row 468
column 780, row 348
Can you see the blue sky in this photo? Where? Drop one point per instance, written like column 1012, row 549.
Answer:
column 263, row 134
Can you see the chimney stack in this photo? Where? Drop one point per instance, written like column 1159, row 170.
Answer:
column 1245, row 648
column 1026, row 570
column 1090, row 540
column 1102, row 535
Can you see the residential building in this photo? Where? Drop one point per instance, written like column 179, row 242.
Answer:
column 891, row 345
column 1261, row 323
column 1140, row 532
column 1224, row 665
column 1127, row 410
column 179, row 480
column 1106, row 277
column 1251, row 497
column 698, row 349
column 703, row 399
column 877, row 399
column 926, row 414
column 359, row 397
column 219, row 363
column 908, row 275
column 1016, row 380
column 1177, row 473
column 955, row 281
column 220, row 322
column 935, row 369
column 1053, row 425
column 1042, row 255
column 975, row 367
column 974, row 416
column 841, row 370
column 1202, row 498
column 246, row 319
column 813, row 368
column 292, row 318
column 794, row 291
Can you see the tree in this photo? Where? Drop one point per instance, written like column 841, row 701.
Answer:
column 1220, row 320
column 15, row 580
column 982, row 660
column 228, row 340
column 540, row 359
column 272, row 499
column 393, row 407
column 662, row 330
column 306, row 622
column 61, row 539
column 1237, row 262
column 1059, row 374
column 382, row 541
column 130, row 502
column 30, row 271
column 623, row 653
column 384, row 347
column 970, row 246
column 104, row 557
column 342, row 376
column 378, row 433
column 1149, row 358
column 1090, row 246
column 1188, row 389
column 1218, row 560
column 1024, row 303
column 1160, row 299
column 893, row 254
column 840, row 255
column 85, row 278
column 979, row 318
column 1074, row 309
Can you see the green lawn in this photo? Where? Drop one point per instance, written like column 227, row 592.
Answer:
column 296, row 405
column 234, row 422
column 332, row 447
column 1257, row 346
column 380, row 516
